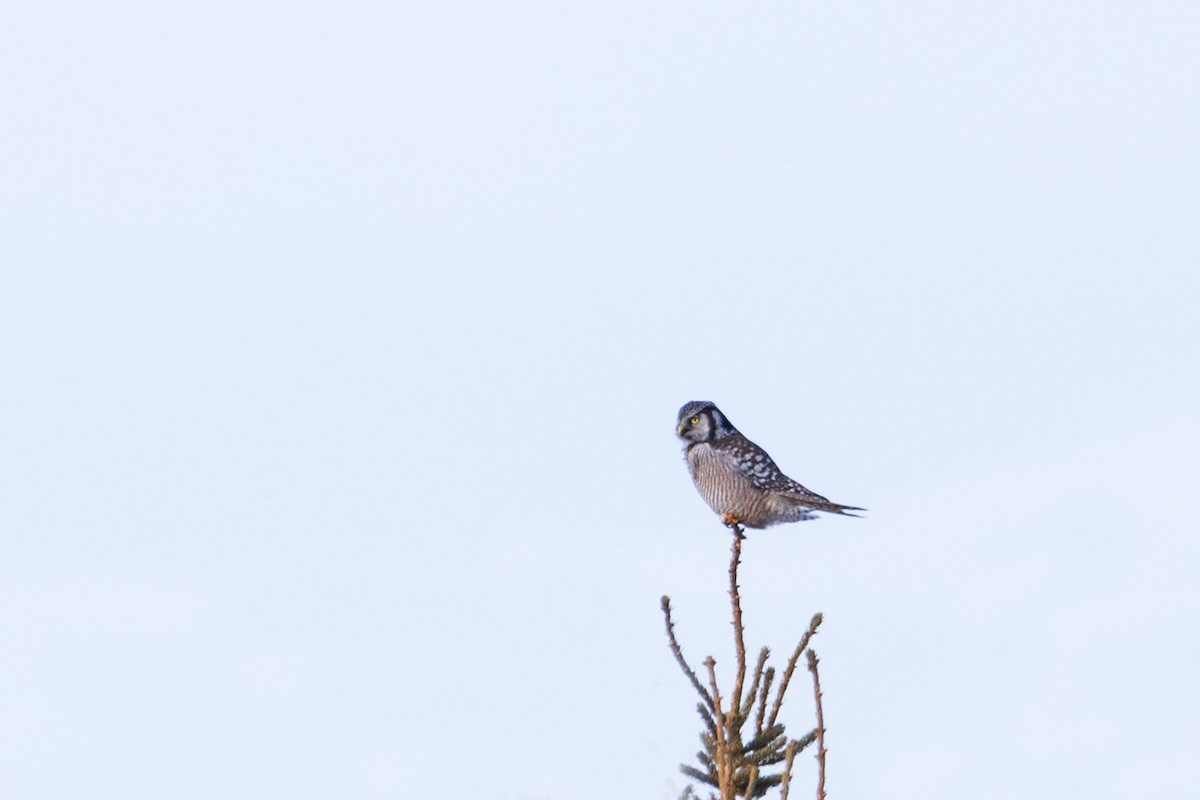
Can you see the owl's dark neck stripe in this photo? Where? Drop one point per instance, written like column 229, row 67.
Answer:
column 721, row 426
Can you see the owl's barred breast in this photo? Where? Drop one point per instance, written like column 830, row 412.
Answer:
column 726, row 489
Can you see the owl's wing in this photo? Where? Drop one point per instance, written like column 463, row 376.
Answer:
column 795, row 491
column 754, row 464
column 783, row 486
column 761, row 470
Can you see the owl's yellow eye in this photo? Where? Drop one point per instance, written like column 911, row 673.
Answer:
column 695, row 420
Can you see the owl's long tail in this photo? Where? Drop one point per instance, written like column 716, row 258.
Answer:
column 836, row 508
column 817, row 503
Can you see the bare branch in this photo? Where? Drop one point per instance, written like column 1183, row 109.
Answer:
column 707, row 718
column 787, row 771
column 687, row 670
column 812, row 667
column 763, row 694
column 752, row 784
column 791, row 667
column 739, row 634
column 723, row 760
column 752, row 692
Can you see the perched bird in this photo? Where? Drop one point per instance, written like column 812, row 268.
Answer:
column 737, row 477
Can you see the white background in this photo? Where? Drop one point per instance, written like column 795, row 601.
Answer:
column 342, row 346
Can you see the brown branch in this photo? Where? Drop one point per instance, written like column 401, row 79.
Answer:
column 812, row 667
column 739, row 635
column 786, row 784
column 752, row 693
column 763, row 694
column 723, row 758
column 751, row 783
column 791, row 667
column 728, row 765
column 687, row 670
column 707, row 718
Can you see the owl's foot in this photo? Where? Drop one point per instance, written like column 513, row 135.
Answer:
column 731, row 521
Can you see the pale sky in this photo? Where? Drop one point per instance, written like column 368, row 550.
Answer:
column 343, row 343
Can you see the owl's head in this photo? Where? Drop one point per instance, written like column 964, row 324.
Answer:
column 702, row 421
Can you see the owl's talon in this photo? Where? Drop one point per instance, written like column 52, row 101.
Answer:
column 731, row 521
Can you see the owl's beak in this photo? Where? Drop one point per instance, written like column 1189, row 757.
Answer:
column 679, row 430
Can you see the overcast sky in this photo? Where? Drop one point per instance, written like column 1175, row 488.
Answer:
column 342, row 347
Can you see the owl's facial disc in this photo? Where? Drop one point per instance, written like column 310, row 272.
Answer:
column 700, row 421
column 696, row 428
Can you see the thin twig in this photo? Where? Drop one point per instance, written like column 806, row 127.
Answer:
column 724, row 760
column 739, row 638
column 752, row 693
column 812, row 667
column 786, row 784
column 752, row 783
column 791, row 667
column 763, row 693
column 687, row 670
column 707, row 718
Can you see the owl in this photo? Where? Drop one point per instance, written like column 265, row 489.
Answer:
column 737, row 478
